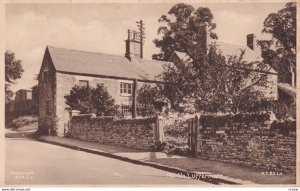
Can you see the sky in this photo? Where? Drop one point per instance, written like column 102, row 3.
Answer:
column 102, row 27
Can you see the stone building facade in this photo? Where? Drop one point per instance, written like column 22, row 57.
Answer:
column 63, row 68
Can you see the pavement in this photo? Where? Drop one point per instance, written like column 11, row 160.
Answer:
column 139, row 158
column 213, row 172
column 32, row 163
column 10, row 133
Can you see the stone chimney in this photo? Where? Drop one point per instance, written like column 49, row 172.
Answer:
column 251, row 42
column 133, row 45
column 202, row 29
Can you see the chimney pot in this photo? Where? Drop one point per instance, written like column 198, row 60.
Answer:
column 251, row 41
column 202, row 29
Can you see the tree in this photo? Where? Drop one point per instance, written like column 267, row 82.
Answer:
column 180, row 34
column 102, row 103
column 150, row 101
column 282, row 26
column 79, row 99
column 91, row 100
column 13, row 71
column 212, row 83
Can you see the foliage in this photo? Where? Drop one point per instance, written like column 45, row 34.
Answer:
column 24, row 121
column 282, row 110
column 13, row 71
column 177, row 34
column 284, row 125
column 35, row 98
column 282, row 26
column 212, row 83
column 207, row 81
column 149, row 101
column 48, row 125
column 79, row 99
column 220, row 120
column 102, row 103
column 91, row 100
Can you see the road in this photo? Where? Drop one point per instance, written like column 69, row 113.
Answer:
column 29, row 162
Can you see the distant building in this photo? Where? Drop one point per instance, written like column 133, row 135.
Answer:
column 23, row 95
column 23, row 104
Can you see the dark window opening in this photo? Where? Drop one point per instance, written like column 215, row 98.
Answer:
column 83, row 83
column 49, row 107
column 126, row 109
column 45, row 76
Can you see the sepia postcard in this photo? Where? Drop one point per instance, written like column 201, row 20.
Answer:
column 149, row 94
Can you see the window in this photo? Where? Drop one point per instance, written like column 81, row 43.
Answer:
column 45, row 76
column 83, row 83
column 49, row 107
column 126, row 109
column 29, row 95
column 126, row 88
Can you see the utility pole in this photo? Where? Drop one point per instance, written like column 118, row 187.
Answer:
column 141, row 29
column 134, row 92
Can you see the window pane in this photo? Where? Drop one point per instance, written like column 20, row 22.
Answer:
column 83, row 83
column 126, row 88
column 121, row 87
column 129, row 89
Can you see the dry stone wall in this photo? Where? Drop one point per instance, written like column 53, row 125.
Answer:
column 131, row 133
column 251, row 141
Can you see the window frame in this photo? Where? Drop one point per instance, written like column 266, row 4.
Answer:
column 87, row 83
column 127, row 110
column 126, row 88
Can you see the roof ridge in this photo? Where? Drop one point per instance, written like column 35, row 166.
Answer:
column 229, row 42
column 103, row 54
column 86, row 51
column 155, row 60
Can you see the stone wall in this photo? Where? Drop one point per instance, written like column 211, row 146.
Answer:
column 47, row 92
column 65, row 82
column 251, row 140
column 131, row 133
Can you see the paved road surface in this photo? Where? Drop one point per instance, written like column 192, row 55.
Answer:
column 30, row 162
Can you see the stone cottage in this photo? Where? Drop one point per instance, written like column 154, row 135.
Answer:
column 63, row 68
column 252, row 53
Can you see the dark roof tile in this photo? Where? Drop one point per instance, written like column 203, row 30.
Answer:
column 75, row 61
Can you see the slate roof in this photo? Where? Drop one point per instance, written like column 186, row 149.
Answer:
column 230, row 49
column 90, row 63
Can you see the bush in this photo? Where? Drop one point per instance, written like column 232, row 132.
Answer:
column 23, row 120
column 149, row 101
column 92, row 100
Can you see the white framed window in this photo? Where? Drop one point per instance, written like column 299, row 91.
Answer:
column 126, row 109
column 83, row 83
column 126, row 88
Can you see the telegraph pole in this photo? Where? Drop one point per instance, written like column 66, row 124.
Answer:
column 141, row 29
